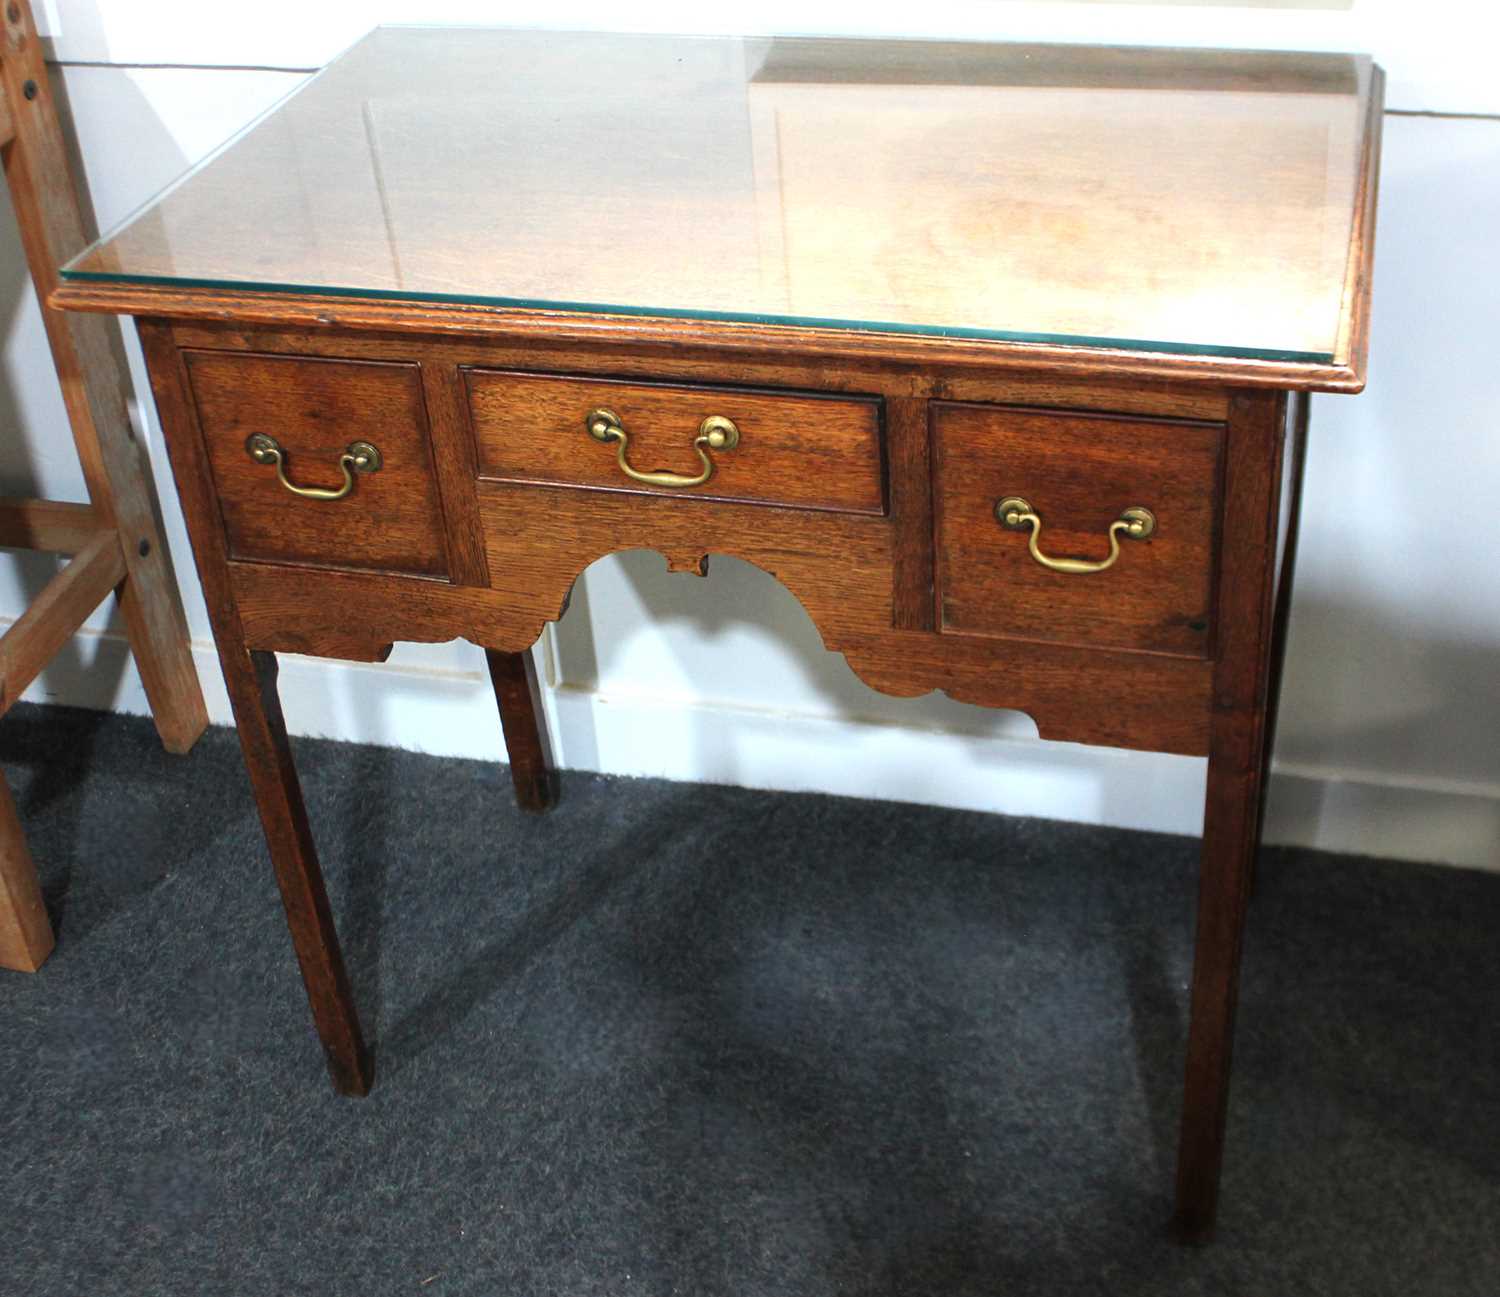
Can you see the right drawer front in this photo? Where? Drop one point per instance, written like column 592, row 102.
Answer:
column 1079, row 473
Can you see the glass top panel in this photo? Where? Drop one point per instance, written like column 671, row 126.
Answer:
column 1161, row 200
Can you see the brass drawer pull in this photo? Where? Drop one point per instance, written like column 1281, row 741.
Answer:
column 361, row 457
column 1134, row 523
column 714, row 433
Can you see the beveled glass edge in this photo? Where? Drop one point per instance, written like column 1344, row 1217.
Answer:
column 1223, row 351
column 1351, row 338
column 135, row 213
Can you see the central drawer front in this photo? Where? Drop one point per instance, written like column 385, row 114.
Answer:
column 799, row 449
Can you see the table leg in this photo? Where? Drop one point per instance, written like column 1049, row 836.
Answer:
column 519, row 698
column 1291, row 485
column 251, row 678
column 1232, row 811
column 1230, row 840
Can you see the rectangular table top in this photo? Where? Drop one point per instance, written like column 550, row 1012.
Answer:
column 1153, row 201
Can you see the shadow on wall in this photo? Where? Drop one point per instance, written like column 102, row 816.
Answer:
column 733, row 667
column 706, row 624
column 1422, row 712
column 1364, row 680
column 1374, row 701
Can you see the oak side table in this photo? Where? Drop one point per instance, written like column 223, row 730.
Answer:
column 996, row 356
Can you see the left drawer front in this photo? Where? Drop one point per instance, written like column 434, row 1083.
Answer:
column 391, row 520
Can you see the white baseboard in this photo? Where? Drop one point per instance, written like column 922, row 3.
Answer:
column 754, row 748
column 451, row 713
column 1356, row 813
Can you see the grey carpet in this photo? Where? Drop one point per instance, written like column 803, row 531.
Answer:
column 686, row 1040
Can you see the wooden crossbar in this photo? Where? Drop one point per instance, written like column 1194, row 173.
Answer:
column 56, row 614
column 31, row 642
column 51, row 525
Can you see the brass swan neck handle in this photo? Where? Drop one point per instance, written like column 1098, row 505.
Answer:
column 714, row 433
column 1015, row 514
column 360, row 457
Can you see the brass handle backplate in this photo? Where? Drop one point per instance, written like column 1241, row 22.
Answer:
column 714, row 433
column 361, row 457
column 1134, row 523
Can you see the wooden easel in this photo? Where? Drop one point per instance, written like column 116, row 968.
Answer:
column 115, row 540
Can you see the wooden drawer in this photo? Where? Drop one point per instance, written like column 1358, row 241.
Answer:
column 800, row 449
column 1078, row 472
column 315, row 409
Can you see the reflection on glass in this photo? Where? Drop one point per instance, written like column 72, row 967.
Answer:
column 1169, row 200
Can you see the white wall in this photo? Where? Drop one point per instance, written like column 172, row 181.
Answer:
column 1390, row 735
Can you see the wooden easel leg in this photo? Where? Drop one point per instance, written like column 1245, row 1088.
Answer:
column 519, row 697
column 158, row 634
column 91, row 368
column 25, row 933
column 251, row 678
column 1231, row 820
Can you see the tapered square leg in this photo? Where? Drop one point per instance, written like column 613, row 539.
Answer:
column 1230, row 841
column 519, row 697
column 1238, row 732
column 251, row 678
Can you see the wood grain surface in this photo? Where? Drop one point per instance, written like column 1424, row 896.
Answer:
column 1080, row 695
column 56, row 526
column 457, row 467
column 527, row 747
column 54, row 616
column 26, row 937
column 540, row 538
column 1075, row 695
column 1232, row 812
column 1078, row 472
column 524, row 326
column 697, row 361
column 315, row 409
column 802, row 449
column 909, row 449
